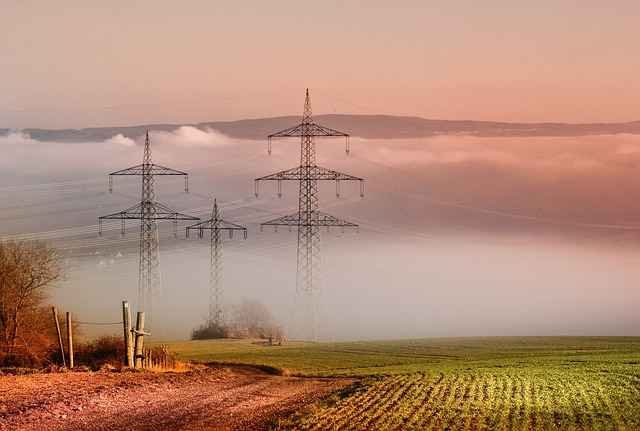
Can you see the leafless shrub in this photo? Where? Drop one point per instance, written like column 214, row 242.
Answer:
column 29, row 270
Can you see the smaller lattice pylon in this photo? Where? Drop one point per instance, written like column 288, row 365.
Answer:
column 216, row 293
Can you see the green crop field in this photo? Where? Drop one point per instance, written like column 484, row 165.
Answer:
column 505, row 383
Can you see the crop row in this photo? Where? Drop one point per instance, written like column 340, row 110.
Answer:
column 567, row 398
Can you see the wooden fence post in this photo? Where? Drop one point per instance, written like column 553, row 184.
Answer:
column 139, row 356
column 69, row 339
column 57, row 320
column 128, row 336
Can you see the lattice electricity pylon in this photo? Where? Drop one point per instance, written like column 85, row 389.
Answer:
column 309, row 318
column 216, row 292
column 148, row 211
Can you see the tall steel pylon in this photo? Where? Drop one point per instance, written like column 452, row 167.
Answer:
column 148, row 211
column 309, row 318
column 216, row 293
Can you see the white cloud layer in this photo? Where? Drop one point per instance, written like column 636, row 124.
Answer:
column 119, row 139
column 191, row 136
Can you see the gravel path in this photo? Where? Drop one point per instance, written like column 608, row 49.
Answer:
column 218, row 398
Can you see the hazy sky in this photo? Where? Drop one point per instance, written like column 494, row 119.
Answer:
column 81, row 64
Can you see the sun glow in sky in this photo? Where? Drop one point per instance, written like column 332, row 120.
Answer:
column 69, row 64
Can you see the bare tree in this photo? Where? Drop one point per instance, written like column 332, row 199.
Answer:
column 28, row 272
column 251, row 318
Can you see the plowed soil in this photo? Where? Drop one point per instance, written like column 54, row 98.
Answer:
column 216, row 398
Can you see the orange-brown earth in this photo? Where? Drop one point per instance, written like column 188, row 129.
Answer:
column 215, row 398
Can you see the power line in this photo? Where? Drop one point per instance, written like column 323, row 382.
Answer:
column 348, row 103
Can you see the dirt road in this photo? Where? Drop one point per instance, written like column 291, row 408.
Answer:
column 217, row 398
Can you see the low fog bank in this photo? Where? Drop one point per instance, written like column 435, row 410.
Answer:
column 378, row 288
column 459, row 235
column 452, row 289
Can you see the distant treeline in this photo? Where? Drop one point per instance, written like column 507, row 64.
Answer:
column 364, row 126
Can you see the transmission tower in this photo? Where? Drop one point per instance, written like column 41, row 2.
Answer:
column 148, row 211
column 309, row 319
column 216, row 292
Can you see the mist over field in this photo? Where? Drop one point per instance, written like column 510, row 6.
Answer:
column 459, row 234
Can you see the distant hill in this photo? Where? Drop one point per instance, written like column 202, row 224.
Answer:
column 365, row 126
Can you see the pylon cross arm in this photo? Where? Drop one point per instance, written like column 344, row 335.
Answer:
column 165, row 213
column 288, row 220
column 162, row 213
column 134, row 212
column 317, row 219
column 152, row 169
column 149, row 170
column 289, row 174
column 329, row 220
column 319, row 173
column 312, row 173
column 217, row 225
column 306, row 129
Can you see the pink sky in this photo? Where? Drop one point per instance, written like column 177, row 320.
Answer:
column 83, row 64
